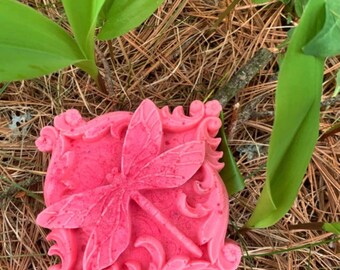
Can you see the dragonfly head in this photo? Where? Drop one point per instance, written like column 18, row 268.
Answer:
column 116, row 178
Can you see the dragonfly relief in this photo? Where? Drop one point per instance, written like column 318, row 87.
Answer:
column 105, row 209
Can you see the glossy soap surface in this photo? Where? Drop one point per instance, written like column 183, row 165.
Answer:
column 137, row 191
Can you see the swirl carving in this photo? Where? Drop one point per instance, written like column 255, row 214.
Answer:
column 65, row 247
column 155, row 249
column 47, row 140
column 178, row 121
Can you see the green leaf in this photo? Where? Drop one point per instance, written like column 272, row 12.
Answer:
column 299, row 6
column 332, row 227
column 296, row 123
column 327, row 42
column 125, row 15
column 230, row 174
column 83, row 16
column 286, row 2
column 31, row 45
column 337, row 86
column 260, row 1
column 3, row 88
column 90, row 68
column 103, row 15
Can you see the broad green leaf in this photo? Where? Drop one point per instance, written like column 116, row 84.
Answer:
column 125, row 15
column 332, row 227
column 31, row 45
column 327, row 42
column 83, row 16
column 296, row 123
column 230, row 174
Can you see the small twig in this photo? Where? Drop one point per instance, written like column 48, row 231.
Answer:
column 317, row 226
column 262, row 115
column 242, row 77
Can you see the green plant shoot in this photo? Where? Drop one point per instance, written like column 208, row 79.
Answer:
column 296, row 123
column 230, row 173
column 31, row 45
column 332, row 227
column 82, row 16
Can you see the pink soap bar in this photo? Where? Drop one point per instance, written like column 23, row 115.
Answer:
column 137, row 191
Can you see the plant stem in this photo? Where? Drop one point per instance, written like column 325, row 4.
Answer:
column 106, row 80
column 274, row 252
column 110, row 45
column 101, row 84
column 306, row 226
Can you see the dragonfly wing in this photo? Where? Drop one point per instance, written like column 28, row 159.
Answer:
column 172, row 168
column 110, row 237
column 78, row 210
column 143, row 138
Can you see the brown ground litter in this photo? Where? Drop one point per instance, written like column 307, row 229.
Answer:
column 173, row 59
